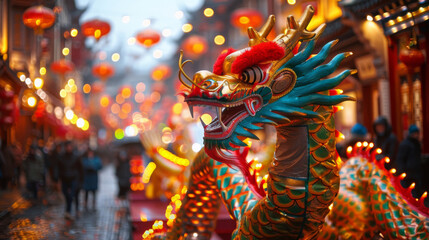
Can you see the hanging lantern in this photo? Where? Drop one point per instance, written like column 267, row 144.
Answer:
column 412, row 57
column 148, row 37
column 62, row 67
column 194, row 46
column 38, row 18
column 161, row 72
column 103, row 70
column 95, row 28
column 245, row 17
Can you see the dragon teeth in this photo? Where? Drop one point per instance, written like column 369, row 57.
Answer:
column 191, row 110
column 219, row 116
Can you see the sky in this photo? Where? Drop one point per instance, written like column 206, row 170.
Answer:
column 127, row 18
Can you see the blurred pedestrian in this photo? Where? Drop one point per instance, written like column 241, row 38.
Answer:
column 70, row 170
column 358, row 134
column 385, row 139
column 123, row 174
column 91, row 165
column 34, row 169
column 52, row 162
column 8, row 166
column 18, row 157
column 409, row 159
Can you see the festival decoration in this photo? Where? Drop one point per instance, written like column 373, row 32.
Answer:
column 103, row 70
column 95, row 28
column 372, row 201
column 268, row 84
column 244, row 17
column 411, row 56
column 38, row 18
column 62, row 67
column 148, row 37
column 194, row 46
column 161, row 72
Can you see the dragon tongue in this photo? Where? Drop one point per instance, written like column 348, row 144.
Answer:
column 249, row 106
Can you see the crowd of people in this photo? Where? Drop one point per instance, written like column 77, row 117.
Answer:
column 405, row 156
column 60, row 166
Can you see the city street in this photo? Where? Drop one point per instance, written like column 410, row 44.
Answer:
column 45, row 219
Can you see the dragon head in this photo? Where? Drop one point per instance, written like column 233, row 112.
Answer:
column 263, row 83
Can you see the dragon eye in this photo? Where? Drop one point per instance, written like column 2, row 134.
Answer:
column 208, row 83
column 252, row 75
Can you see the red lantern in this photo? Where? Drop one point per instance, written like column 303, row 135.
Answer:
column 148, row 37
column 38, row 18
column 194, row 46
column 161, row 72
column 62, row 66
column 412, row 57
column 95, row 28
column 103, row 70
column 245, row 17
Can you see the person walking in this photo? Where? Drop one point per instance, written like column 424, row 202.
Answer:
column 91, row 165
column 123, row 174
column 409, row 159
column 34, row 168
column 69, row 169
column 385, row 139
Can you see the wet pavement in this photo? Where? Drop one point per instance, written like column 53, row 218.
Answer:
column 44, row 219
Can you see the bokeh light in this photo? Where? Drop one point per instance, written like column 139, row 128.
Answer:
column 187, row 27
column 119, row 134
column 208, row 12
column 219, row 40
column 87, row 88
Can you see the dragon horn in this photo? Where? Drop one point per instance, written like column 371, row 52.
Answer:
column 261, row 36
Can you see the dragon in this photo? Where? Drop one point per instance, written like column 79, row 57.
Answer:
column 272, row 82
column 372, row 201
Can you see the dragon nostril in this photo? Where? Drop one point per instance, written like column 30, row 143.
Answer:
column 252, row 75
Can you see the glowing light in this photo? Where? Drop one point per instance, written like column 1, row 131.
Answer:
column 187, row 27
column 369, row 18
column 172, row 157
column 74, row 119
column 148, row 172
column 22, row 77
column 365, row 144
column 58, row 112
column 126, row 92
column 126, row 108
column 178, row 14
column 386, row 14
column 119, row 134
column 115, row 108
column 80, row 122
column 69, row 114
column 378, row 151
column 244, row 20
column 377, row 18
column 359, row 144
column 208, row 12
column 196, row 147
column 63, row 93
column 131, row 41
column 387, row 160
column 31, row 101
column 42, row 71
column 157, row 54
column 87, row 88
column 38, row 83
column 116, row 57
column 291, row 2
column 85, row 125
column 73, row 89
column 73, row 32
column 392, row 171
column 139, row 97
column 104, row 101
column 177, row 108
column 66, row 51
column 207, row 119
column 120, row 99
column 166, row 32
column 71, row 82
column 28, row 81
column 219, row 40
column 140, row 87
column 131, row 130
